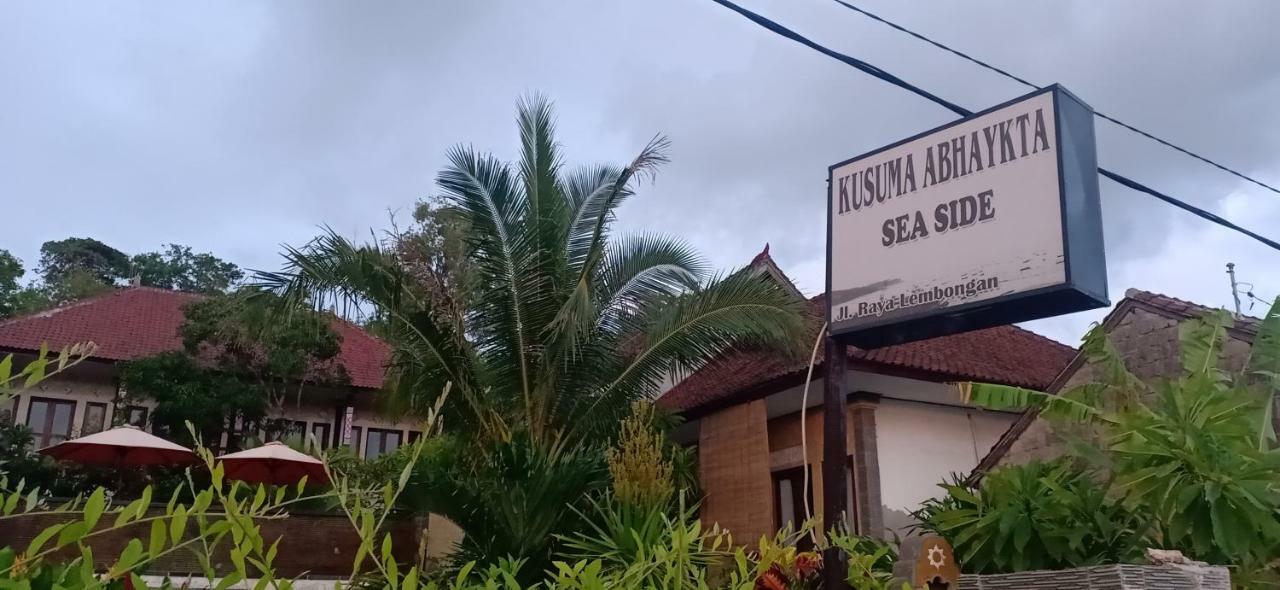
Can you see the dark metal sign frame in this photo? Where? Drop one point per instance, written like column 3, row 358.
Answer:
column 1085, row 281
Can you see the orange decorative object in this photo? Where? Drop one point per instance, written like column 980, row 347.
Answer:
column 937, row 563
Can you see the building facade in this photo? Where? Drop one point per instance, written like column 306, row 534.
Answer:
column 908, row 426
column 137, row 322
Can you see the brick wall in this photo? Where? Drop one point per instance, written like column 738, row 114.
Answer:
column 733, row 467
column 1148, row 343
column 315, row 544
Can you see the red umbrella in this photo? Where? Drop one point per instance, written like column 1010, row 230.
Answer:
column 120, row 446
column 273, row 463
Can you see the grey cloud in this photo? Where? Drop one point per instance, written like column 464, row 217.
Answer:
column 235, row 126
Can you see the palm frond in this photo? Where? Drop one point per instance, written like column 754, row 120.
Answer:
column 548, row 214
column 488, row 199
column 588, row 240
column 588, row 189
column 331, row 269
column 742, row 309
column 539, row 155
column 592, row 216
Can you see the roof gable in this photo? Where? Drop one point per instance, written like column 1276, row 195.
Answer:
column 137, row 322
column 1243, row 328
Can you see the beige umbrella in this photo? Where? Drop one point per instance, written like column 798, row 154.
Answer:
column 273, row 463
column 121, row 446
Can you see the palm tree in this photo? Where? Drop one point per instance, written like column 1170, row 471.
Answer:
column 544, row 330
column 564, row 323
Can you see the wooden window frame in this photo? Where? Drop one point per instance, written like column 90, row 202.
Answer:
column 324, row 441
column 382, row 441
column 128, row 416
column 103, row 425
column 42, row 439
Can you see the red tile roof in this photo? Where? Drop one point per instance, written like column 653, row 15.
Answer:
column 136, row 322
column 1004, row 354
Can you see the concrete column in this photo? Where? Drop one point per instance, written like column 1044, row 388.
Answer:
column 866, row 464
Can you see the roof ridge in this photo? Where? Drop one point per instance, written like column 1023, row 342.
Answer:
column 1063, row 345
column 1160, row 300
column 44, row 313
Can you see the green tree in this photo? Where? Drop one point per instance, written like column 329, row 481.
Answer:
column 73, row 269
column 240, row 363
column 11, row 272
column 177, row 267
column 98, row 261
column 563, row 325
column 1038, row 516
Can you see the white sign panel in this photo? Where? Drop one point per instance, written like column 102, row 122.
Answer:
column 968, row 214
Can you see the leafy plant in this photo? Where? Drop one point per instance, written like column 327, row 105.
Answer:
column 221, row 515
column 1035, row 516
column 1194, row 454
column 511, row 498
column 871, row 561
column 640, row 472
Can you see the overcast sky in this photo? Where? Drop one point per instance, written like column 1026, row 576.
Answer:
column 237, row 126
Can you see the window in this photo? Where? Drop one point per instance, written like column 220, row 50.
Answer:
column 50, row 420
column 136, row 416
column 380, row 442
column 320, row 430
column 788, row 491
column 95, row 418
column 412, row 437
column 10, row 414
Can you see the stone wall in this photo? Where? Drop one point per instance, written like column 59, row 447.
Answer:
column 1107, row 577
column 1148, row 343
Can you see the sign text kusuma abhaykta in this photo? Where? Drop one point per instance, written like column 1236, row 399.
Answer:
column 988, row 220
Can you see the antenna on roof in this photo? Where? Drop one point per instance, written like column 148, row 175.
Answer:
column 1235, row 288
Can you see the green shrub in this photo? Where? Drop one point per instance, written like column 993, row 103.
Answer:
column 1051, row 515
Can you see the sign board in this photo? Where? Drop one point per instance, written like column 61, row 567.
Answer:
column 990, row 220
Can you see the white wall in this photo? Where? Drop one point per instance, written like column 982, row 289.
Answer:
column 96, row 383
column 80, row 389
column 922, row 444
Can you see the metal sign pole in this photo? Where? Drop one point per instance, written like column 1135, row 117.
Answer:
column 834, row 458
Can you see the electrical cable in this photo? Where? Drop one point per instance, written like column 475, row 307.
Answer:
column 804, row 433
column 867, row 68
column 1024, row 82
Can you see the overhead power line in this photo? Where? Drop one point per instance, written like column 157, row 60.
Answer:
column 1024, row 82
column 959, row 110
